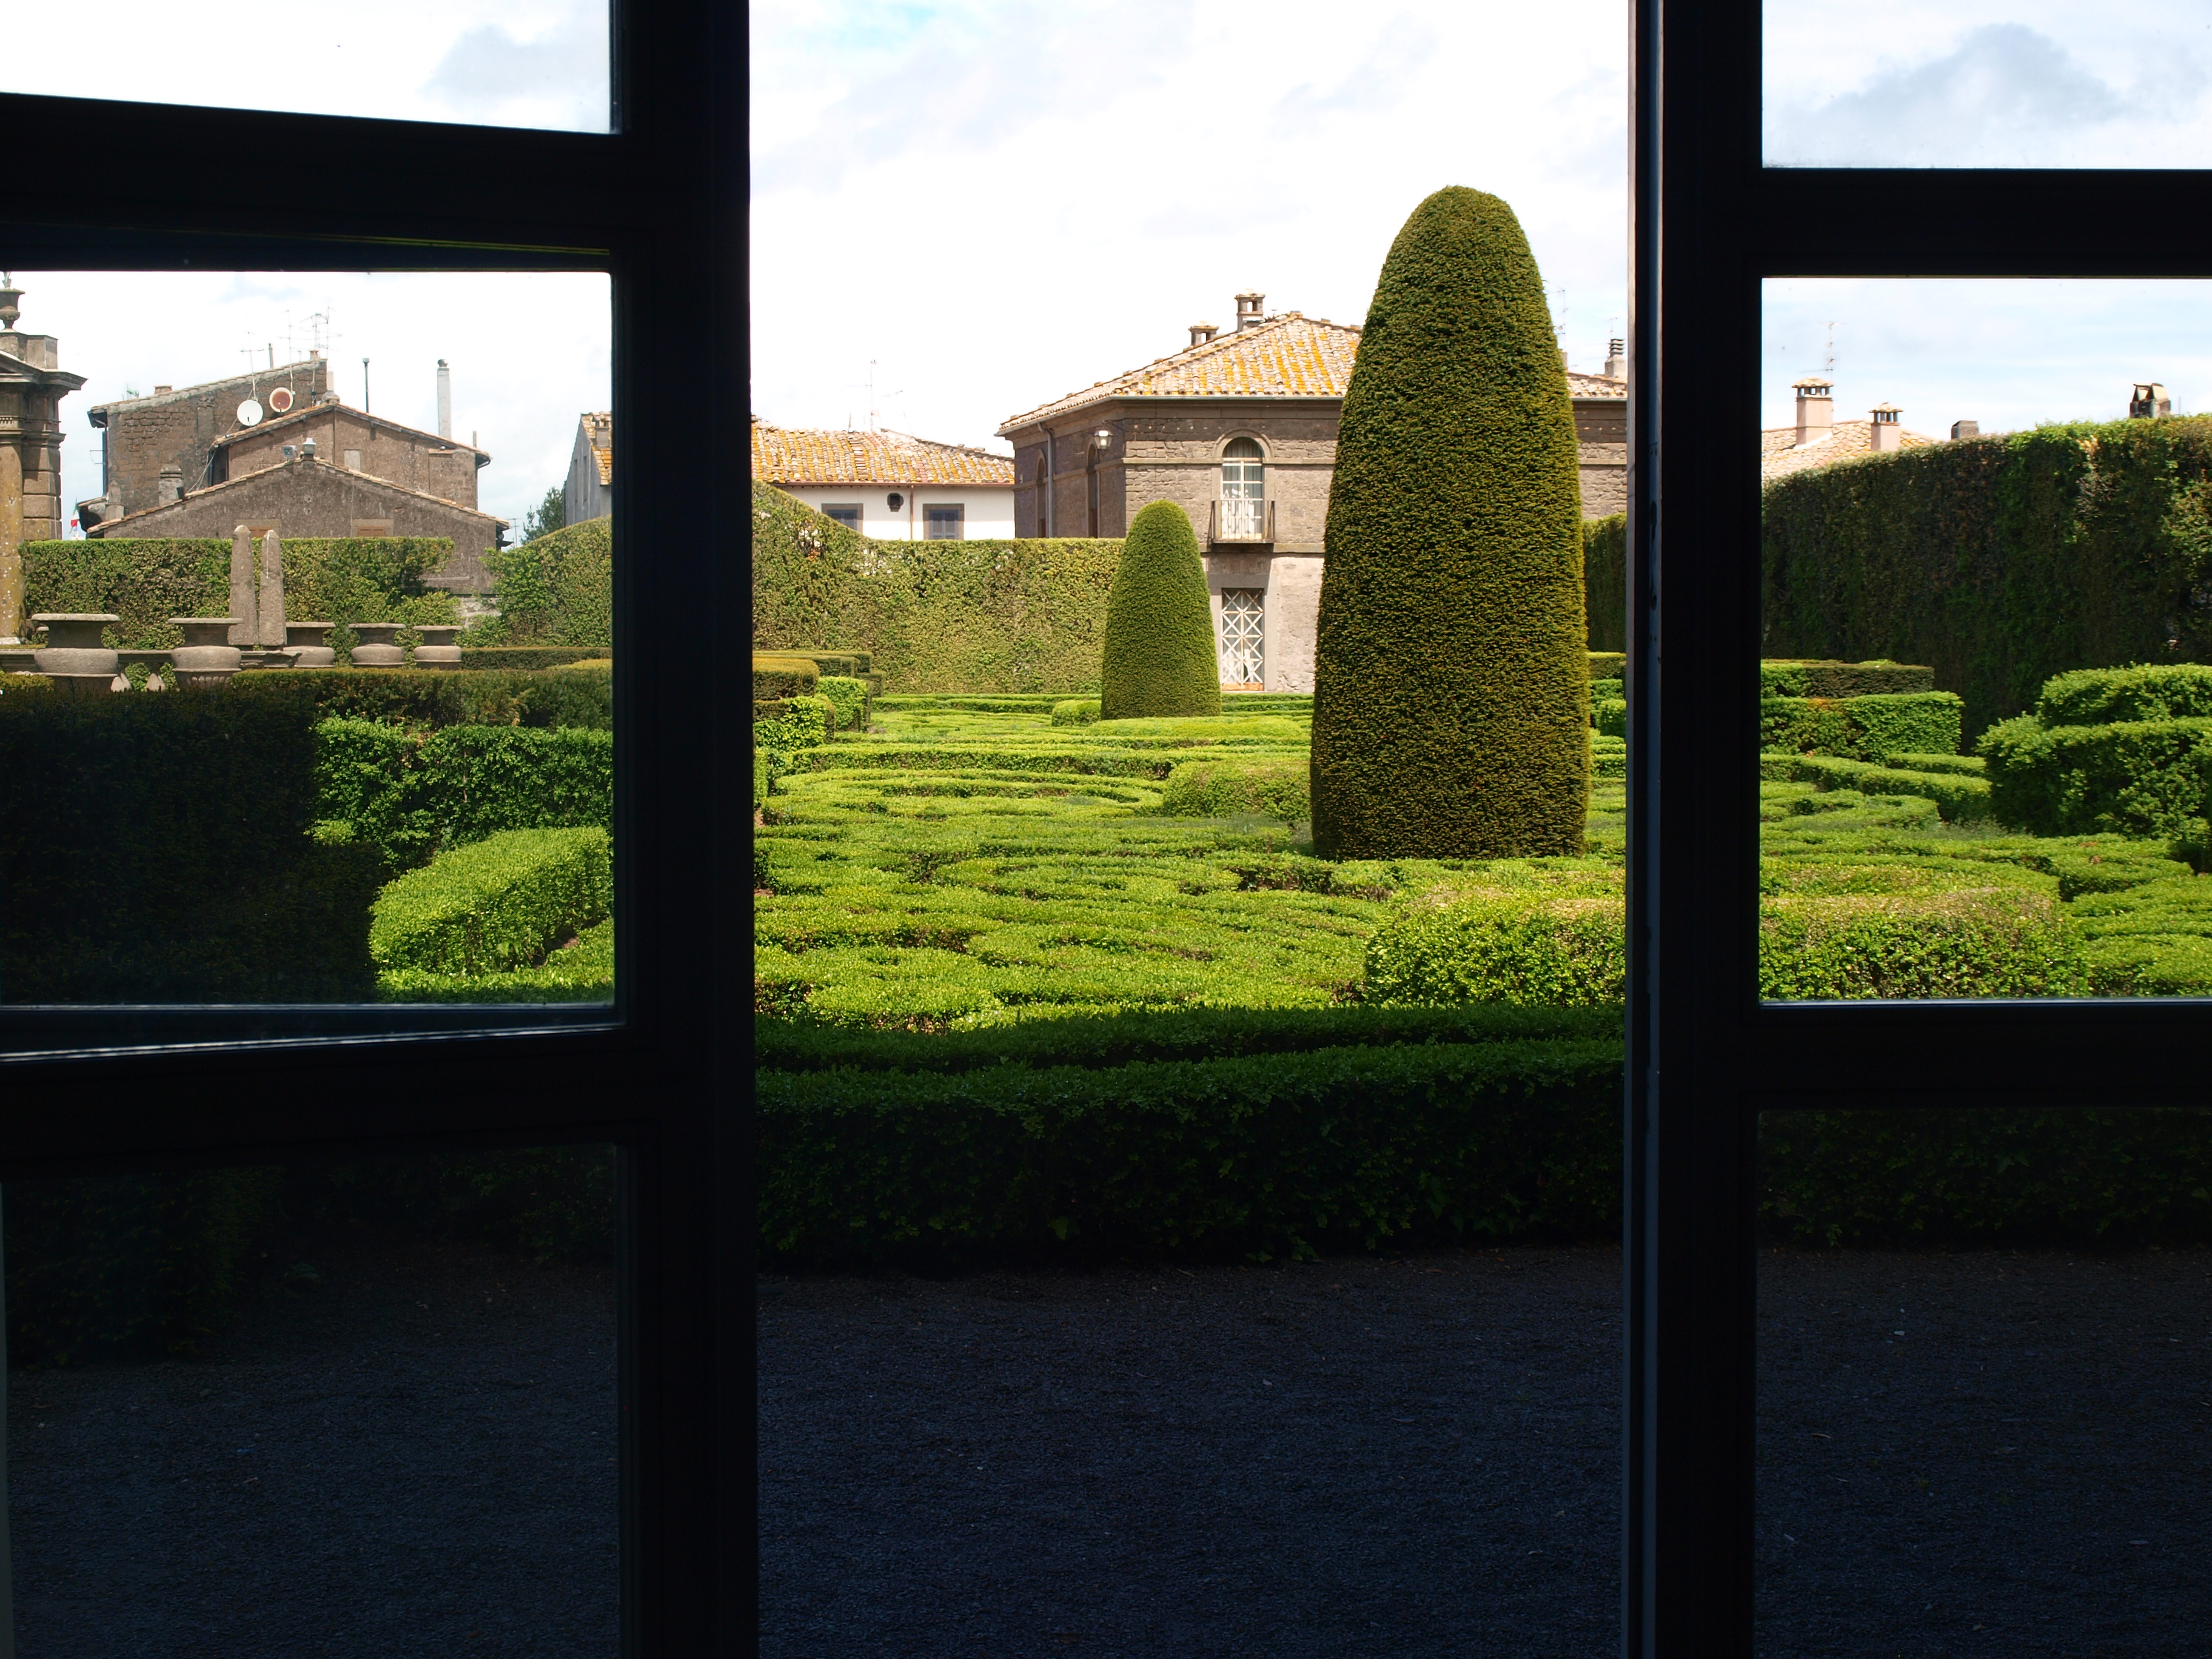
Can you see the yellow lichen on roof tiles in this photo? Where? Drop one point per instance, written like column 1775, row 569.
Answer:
column 1292, row 355
column 600, row 434
column 800, row 455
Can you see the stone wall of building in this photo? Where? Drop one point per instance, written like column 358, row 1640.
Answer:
column 179, row 429
column 348, row 439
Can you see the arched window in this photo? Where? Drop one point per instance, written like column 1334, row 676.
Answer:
column 1243, row 491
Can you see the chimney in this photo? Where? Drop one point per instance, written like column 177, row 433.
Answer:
column 1247, row 311
column 1564, row 363
column 1965, row 429
column 2149, row 402
column 163, row 391
column 1201, row 333
column 172, row 486
column 1616, row 359
column 444, row 400
column 1816, row 412
column 1886, row 434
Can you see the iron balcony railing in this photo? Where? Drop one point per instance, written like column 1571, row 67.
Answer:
column 1241, row 521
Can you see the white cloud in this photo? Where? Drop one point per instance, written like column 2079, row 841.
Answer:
column 528, row 352
column 1000, row 203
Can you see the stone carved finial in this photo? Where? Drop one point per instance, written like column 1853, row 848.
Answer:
column 9, row 294
column 243, row 630
column 268, row 629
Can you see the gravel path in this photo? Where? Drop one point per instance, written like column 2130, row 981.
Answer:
column 416, row 1458
column 1420, row 1456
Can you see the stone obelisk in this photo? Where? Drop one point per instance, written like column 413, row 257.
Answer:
column 242, row 629
column 270, row 613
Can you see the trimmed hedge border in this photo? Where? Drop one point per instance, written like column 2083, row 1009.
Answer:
column 495, row 905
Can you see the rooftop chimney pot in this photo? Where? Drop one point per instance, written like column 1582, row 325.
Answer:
column 159, row 390
column 1816, row 412
column 1616, row 359
column 1201, row 333
column 172, row 486
column 2149, row 401
column 1248, row 312
column 1886, row 433
column 1965, row 429
column 444, row 400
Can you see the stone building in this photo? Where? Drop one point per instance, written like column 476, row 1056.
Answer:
column 32, row 387
column 1239, row 428
column 589, row 492
column 308, row 493
column 890, row 485
column 173, row 432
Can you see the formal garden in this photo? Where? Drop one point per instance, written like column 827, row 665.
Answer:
column 1062, row 953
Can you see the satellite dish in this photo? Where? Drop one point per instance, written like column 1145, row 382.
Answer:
column 280, row 400
column 249, row 413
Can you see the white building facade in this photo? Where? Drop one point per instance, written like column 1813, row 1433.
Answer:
column 890, row 485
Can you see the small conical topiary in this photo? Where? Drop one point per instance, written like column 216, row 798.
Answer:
column 1451, row 686
column 1160, row 656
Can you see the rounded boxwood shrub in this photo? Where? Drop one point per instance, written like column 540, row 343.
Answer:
column 1160, row 657
column 1451, row 692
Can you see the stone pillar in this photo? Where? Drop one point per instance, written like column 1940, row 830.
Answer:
column 11, row 544
column 243, row 632
column 269, row 614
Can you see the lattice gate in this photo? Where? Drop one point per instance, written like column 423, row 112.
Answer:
column 1243, row 666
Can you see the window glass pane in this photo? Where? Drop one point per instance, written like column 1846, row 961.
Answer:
column 306, row 639
column 1982, row 1342
column 1986, row 672
column 490, row 63
column 1987, row 83
column 367, row 1407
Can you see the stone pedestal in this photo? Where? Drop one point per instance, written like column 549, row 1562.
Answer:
column 435, row 646
column 73, row 656
column 379, row 645
column 206, row 660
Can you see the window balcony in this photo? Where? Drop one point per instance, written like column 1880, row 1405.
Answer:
column 1248, row 521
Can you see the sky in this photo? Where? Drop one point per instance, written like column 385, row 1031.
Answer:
column 528, row 352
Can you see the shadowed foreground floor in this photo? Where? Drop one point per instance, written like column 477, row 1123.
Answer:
column 1420, row 1456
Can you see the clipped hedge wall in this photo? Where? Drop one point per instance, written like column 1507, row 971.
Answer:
column 1160, row 657
column 1026, row 615
column 1451, row 679
column 145, row 582
column 555, row 590
column 2001, row 561
column 430, row 698
column 2142, row 778
column 495, row 904
column 1221, row 789
column 1604, row 582
column 776, row 677
column 1784, row 678
column 1862, row 728
column 521, row 657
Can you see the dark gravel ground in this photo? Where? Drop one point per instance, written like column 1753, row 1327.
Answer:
column 1420, row 1457
column 416, row 1458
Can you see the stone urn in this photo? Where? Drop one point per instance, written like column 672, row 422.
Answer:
column 73, row 657
column 378, row 646
column 435, row 646
column 310, row 644
column 207, row 659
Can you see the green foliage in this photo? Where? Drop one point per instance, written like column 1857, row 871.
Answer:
column 1026, row 615
column 1604, row 582
column 1077, row 711
column 340, row 579
column 426, row 698
column 1959, row 797
column 1610, row 717
column 1915, row 1179
column 795, row 723
column 1965, row 766
column 409, row 795
column 2130, row 777
column 2001, row 561
column 1607, row 666
column 1221, row 789
column 2105, row 696
column 1862, row 728
column 516, row 657
column 1562, row 942
column 1451, row 679
column 580, row 970
column 1276, row 1154
column 557, row 589
column 1987, row 943
column 1783, row 678
column 547, row 516
column 849, row 697
column 1160, row 657
column 494, row 905
column 164, row 856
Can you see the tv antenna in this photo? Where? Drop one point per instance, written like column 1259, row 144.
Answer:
column 873, row 410
column 1831, row 370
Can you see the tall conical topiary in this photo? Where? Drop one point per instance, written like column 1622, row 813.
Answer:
column 1160, row 656
column 1451, row 690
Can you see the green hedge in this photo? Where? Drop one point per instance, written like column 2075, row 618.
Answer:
column 1227, row 788
column 159, row 852
column 1076, row 711
column 1784, row 678
column 145, row 582
column 409, row 795
column 429, row 698
column 2001, row 561
column 581, row 970
column 1959, row 797
column 1607, row 666
column 1249, row 1157
column 1609, row 717
column 848, row 696
column 1862, row 728
column 2103, row 696
column 1160, row 656
column 1605, row 580
column 1451, row 679
column 2144, row 778
column 556, row 589
column 494, row 905
column 1026, row 615
column 522, row 657
column 793, row 723
column 776, row 675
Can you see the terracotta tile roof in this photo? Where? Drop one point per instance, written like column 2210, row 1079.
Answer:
column 790, row 455
column 1292, row 355
column 1779, row 456
column 599, row 433
column 245, row 481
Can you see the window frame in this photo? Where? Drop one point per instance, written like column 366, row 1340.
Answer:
column 959, row 520
column 658, row 203
column 1710, row 222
